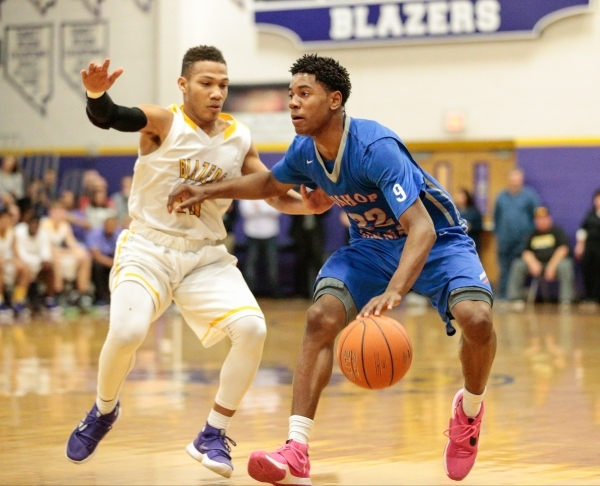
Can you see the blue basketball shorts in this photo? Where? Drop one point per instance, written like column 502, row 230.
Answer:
column 367, row 265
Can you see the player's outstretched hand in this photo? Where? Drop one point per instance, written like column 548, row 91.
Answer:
column 381, row 303
column 315, row 201
column 96, row 78
column 185, row 196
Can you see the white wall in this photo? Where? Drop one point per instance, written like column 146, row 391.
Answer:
column 547, row 87
column 65, row 125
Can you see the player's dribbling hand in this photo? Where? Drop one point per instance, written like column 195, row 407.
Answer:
column 96, row 78
column 381, row 303
column 315, row 201
column 185, row 196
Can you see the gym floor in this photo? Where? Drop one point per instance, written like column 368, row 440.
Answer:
column 542, row 421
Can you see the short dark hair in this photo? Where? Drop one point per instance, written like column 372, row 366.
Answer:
column 327, row 71
column 200, row 53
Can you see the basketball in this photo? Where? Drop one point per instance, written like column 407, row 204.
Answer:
column 374, row 352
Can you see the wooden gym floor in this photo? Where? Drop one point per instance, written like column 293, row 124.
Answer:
column 542, row 424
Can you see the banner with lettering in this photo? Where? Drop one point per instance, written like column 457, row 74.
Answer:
column 81, row 43
column 29, row 62
column 346, row 23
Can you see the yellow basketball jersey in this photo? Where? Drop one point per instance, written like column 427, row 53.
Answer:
column 187, row 155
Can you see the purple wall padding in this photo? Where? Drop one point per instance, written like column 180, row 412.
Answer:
column 565, row 178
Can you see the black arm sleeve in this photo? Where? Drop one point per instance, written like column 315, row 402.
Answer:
column 103, row 113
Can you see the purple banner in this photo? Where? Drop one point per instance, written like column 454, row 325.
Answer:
column 335, row 23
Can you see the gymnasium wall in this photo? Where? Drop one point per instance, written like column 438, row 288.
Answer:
column 532, row 103
column 538, row 88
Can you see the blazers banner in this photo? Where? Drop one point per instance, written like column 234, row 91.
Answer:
column 346, row 23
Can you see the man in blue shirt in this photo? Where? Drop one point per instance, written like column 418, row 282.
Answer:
column 406, row 233
column 102, row 243
column 513, row 222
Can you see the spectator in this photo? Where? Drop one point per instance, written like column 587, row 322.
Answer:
column 99, row 209
column 91, row 181
column 35, row 250
column 261, row 226
column 35, row 199
column 587, row 249
column 13, row 271
column 470, row 213
column 11, row 180
column 513, row 222
column 15, row 213
column 309, row 239
column 545, row 257
column 75, row 216
column 71, row 259
column 102, row 242
column 121, row 200
column 50, row 186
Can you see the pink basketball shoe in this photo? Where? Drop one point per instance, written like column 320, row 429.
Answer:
column 463, row 440
column 288, row 465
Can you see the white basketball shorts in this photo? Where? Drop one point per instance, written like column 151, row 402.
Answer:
column 204, row 282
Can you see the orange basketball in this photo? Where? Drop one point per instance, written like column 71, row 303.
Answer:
column 374, row 352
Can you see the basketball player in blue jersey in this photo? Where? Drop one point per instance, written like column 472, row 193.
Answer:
column 406, row 234
column 173, row 257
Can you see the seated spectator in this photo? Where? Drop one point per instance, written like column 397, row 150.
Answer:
column 13, row 271
column 587, row 249
column 261, row 226
column 99, row 209
column 470, row 213
column 50, row 186
column 35, row 199
column 121, row 200
column 102, row 242
column 75, row 216
column 12, row 187
column 91, row 182
column 545, row 257
column 35, row 250
column 15, row 213
column 72, row 262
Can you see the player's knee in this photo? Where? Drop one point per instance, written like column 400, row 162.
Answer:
column 323, row 324
column 127, row 329
column 476, row 323
column 248, row 331
column 127, row 335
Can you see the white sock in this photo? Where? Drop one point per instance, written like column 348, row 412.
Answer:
column 105, row 407
column 300, row 428
column 472, row 403
column 218, row 420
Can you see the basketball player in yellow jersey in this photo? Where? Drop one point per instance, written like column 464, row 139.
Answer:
column 167, row 257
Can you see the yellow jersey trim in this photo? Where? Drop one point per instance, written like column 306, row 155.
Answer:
column 154, row 291
column 120, row 249
column 229, row 131
column 224, row 316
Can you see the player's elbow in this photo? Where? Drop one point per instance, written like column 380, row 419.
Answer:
column 427, row 233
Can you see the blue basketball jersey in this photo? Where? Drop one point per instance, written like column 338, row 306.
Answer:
column 374, row 179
